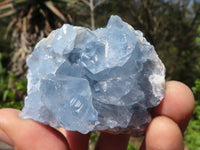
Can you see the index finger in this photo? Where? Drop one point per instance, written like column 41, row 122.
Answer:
column 178, row 104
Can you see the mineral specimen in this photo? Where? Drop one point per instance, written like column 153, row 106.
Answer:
column 85, row 80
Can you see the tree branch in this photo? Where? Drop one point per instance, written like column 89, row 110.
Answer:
column 92, row 14
column 99, row 3
column 86, row 3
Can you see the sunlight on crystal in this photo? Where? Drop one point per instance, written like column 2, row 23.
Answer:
column 84, row 80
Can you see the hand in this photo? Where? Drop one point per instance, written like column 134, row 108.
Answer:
column 164, row 132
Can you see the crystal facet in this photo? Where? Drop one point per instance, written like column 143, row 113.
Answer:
column 85, row 80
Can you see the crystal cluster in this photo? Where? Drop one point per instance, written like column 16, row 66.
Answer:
column 84, row 80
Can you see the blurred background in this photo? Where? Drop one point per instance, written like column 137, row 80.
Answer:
column 172, row 26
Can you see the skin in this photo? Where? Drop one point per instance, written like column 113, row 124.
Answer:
column 164, row 132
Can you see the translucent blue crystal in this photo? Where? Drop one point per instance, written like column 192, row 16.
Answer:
column 84, row 80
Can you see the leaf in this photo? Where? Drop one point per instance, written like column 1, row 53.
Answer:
column 7, row 13
column 5, row 2
column 21, row 85
column 197, row 39
column 1, row 67
column 51, row 6
column 86, row 2
column 5, row 95
column 6, row 6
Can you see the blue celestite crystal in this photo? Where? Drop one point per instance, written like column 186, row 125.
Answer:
column 85, row 80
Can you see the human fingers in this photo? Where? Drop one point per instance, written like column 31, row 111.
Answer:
column 25, row 134
column 5, row 138
column 178, row 104
column 108, row 141
column 163, row 134
column 76, row 140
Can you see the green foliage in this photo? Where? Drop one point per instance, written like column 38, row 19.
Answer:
column 7, row 91
column 192, row 136
column 196, row 88
column 197, row 39
column 131, row 147
column 7, row 86
column 21, row 85
column 94, row 137
column 12, row 104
